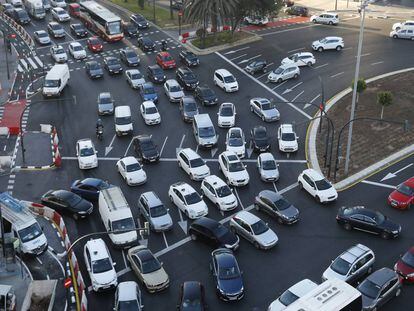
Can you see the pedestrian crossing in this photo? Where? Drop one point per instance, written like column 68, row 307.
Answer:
column 29, row 63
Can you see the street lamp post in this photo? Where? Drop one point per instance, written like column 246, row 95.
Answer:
column 180, row 14
column 354, row 92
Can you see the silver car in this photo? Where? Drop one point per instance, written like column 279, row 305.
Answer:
column 42, row 37
column 154, row 211
column 134, row 78
column 378, row 288
column 253, row 229
column 267, row 166
column 264, row 109
column 173, row 90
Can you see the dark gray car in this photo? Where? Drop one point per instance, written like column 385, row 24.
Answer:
column 188, row 108
column 379, row 288
column 154, row 211
column 105, row 103
column 277, row 206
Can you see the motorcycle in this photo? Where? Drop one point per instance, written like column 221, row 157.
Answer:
column 99, row 133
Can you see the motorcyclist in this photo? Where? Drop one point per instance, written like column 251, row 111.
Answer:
column 163, row 45
column 99, row 127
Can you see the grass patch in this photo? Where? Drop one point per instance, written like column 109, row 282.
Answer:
column 220, row 38
column 162, row 15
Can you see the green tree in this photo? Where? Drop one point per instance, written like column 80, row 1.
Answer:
column 384, row 99
column 141, row 4
column 361, row 87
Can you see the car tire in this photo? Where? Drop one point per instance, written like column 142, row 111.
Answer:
column 263, row 119
column 309, row 64
column 338, row 48
column 280, row 220
column 347, row 227
column 320, row 49
column 314, row 21
column 171, row 199
column 256, row 207
column 256, row 245
column 191, row 176
column 295, row 76
column 385, row 235
column 193, row 236
column 318, row 199
column 218, row 207
column 300, row 185
column 279, row 80
column 369, row 271
column 395, row 36
column 232, row 229
column 330, row 23
column 251, row 109
column 398, row 292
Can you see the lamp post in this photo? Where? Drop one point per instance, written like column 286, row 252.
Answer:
column 180, row 14
column 354, row 92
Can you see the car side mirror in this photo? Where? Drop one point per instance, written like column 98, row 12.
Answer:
column 114, row 264
column 245, row 166
column 96, row 152
column 161, row 263
column 89, row 269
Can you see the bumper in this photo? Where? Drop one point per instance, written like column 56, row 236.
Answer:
column 236, row 297
column 239, row 183
column 158, row 288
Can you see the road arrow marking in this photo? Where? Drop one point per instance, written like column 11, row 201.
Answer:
column 378, row 184
column 234, row 51
column 311, row 102
column 177, row 150
column 291, row 89
column 249, row 150
column 182, row 223
column 274, row 186
column 240, row 56
column 109, row 148
column 213, row 152
column 392, row 175
column 249, row 59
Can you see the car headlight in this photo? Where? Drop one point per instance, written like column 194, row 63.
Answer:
column 411, row 275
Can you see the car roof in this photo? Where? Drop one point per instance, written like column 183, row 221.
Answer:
column 148, row 104
column 91, row 181
column 133, row 71
column 64, row 194
column 58, row 9
column 75, row 43
column 223, row 72
column 409, row 182
column 143, row 253
column 152, row 198
column 267, row 156
column 184, row 188
column 40, row 31
column 333, row 38
column 184, row 69
column 190, row 153
column 308, row 54
column 207, row 222
column 153, row 67
column 111, row 58
column 85, row 143
column 224, row 257
column 104, row 94
column 354, row 252
column 223, row 105
column 314, row 174
column 215, row 181
column 271, row 195
column 172, row 82
column 231, row 156
column 147, row 85
column 288, row 65
column 97, row 249
column 261, row 100
column 247, row 217
column 188, row 99
column 129, row 160
column 143, row 137
column 191, row 289
column 287, row 128
column 382, row 276
column 164, row 53
column 260, row 128
column 302, row 288
column 127, row 291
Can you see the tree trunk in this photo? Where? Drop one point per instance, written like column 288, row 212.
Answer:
column 204, row 32
column 382, row 112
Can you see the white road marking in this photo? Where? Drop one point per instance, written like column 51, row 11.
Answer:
column 38, row 259
column 279, row 85
column 58, row 261
column 286, row 30
column 337, row 75
column 165, row 239
column 129, row 146
column 315, row 98
column 238, row 57
column 378, row 184
column 320, row 66
column 124, row 258
column 377, row 63
column 32, row 63
column 24, row 64
column 118, row 274
column 163, row 145
column 274, row 186
column 249, row 59
column 238, row 198
column 297, row 96
column 38, row 61
column 366, row 54
column 238, row 50
column 295, row 50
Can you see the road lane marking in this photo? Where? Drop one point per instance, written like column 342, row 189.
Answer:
column 238, row 57
column 274, row 186
column 118, row 274
column 58, row 261
column 362, row 55
column 249, row 59
column 238, row 50
column 124, row 258
column 238, row 198
column 295, row 50
column 279, row 85
column 377, row 63
column 315, row 98
column 378, row 184
column 337, row 75
column 129, row 146
column 165, row 239
column 297, row 96
column 163, row 145
column 38, row 259
column 321, row 66
column 286, row 30
column 32, row 63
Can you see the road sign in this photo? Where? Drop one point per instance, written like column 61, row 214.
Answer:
column 68, row 283
column 12, row 36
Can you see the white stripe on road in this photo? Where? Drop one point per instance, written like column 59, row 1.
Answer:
column 320, row 66
column 249, row 59
column 163, row 145
column 366, row 54
column 32, row 63
column 286, row 30
column 297, row 96
column 315, row 98
column 295, row 50
column 19, row 68
column 238, row 57
column 337, row 75
column 238, row 198
column 38, row 61
column 377, row 63
column 24, row 64
column 279, row 85
column 378, row 184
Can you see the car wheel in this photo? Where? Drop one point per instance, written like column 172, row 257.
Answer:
column 75, row 216
column 218, row 206
column 330, row 23
column 338, row 48
column 193, row 236
column 232, row 229
column 191, row 176
column 318, row 199
column 256, row 245
column 171, row 199
column 300, row 185
column 263, row 118
column 385, row 235
column 369, row 270
column 257, row 207
column 280, row 220
column 314, row 21
column 347, row 227
column 215, row 82
column 398, row 292
column 309, row 64
column 251, row 108
column 179, row 164
column 320, row 49
column 395, row 36
column 295, row 76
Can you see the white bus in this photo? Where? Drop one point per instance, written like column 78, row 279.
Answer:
column 100, row 20
column 331, row 295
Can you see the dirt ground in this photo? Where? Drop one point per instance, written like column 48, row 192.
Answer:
column 371, row 140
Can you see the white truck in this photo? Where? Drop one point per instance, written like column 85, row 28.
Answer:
column 116, row 215
column 18, row 222
column 35, row 8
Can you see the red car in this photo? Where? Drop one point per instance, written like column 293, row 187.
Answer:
column 95, row 45
column 165, row 60
column 405, row 266
column 403, row 196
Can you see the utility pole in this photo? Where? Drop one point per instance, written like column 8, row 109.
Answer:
column 354, row 92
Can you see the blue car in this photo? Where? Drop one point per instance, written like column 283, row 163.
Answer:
column 89, row 188
column 148, row 92
column 228, row 277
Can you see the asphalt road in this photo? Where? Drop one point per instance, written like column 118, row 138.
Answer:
column 305, row 249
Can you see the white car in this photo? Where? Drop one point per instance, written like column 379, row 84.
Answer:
column 402, row 34
column 233, row 169
column 284, row 72
column 173, row 90
column 287, row 138
column 60, row 14
column 86, row 153
column 134, row 78
column 257, row 20
column 192, row 164
column 403, row 25
column 226, row 115
column 99, row 264
column 58, row 3
column 187, row 200
column 128, row 294
column 225, row 80
column 131, row 171
column 76, row 50
column 317, row 186
column 290, row 295
column 236, row 142
column 268, row 167
column 328, row 43
column 325, row 18
column 219, row 193
column 253, row 229
column 300, row 59
column 150, row 113
column 58, row 54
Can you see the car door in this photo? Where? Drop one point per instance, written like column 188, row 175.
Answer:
column 245, row 230
column 257, row 108
column 122, row 169
column 363, row 264
column 88, row 191
column 386, row 293
column 308, row 184
column 209, row 191
column 410, row 34
column 179, row 200
column 144, row 209
column 223, row 164
column 87, row 257
column 357, row 221
column 269, row 207
column 185, row 164
column 371, row 225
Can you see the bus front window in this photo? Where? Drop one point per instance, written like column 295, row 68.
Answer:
column 113, row 28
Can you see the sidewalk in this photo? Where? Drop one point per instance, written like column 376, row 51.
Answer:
column 5, row 82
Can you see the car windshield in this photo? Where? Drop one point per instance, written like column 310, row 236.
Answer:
column 406, row 190
column 77, row 48
column 207, row 93
column 191, row 304
column 197, row 162
column 150, row 265
column 59, row 51
column 112, row 61
column 128, row 305
column 94, row 41
column 408, row 259
column 190, row 56
column 269, row 165
column 158, row 71
column 130, row 54
column 78, row 27
column 192, row 198
column 123, row 120
column 23, row 14
column 189, row 76
column 94, row 66
column 190, row 106
column 288, row 137
column 323, row 184
column 206, row 132
column 236, row 167
column 340, row 266
column 259, row 227
column 223, row 191
column 147, row 145
column 101, row 265
column 73, row 199
column 133, row 167
column 86, row 152
column 124, row 225
column 288, row 298
column 56, row 27
column 267, row 106
column 167, row 58
column 42, row 34
column 220, row 230
column 260, row 134
column 113, row 28
column 136, row 76
column 51, row 83
column 229, row 79
column 105, row 100
column 236, row 141
column 151, row 110
column 226, row 111
column 175, row 88
column 228, row 272
column 149, row 90
column 323, row 40
column 158, row 211
column 278, row 71
column 369, row 289
column 29, row 233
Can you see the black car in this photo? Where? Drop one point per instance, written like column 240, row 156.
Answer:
column 146, row 149
column 227, row 275
column 67, row 202
column 139, row 21
column 89, row 188
column 364, row 219
column 177, row 4
column 20, row 16
column 188, row 108
column 112, row 65
column 187, row 78
column 192, row 297
column 277, row 206
column 7, row 9
column 146, row 44
column 260, row 139
column 94, row 69
column 130, row 30
column 189, row 58
column 156, row 74
column 256, row 66
column 214, row 233
column 129, row 57
column 78, row 30
column 205, row 96
column 298, row 10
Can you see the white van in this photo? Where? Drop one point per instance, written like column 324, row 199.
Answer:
column 325, row 18
column 116, row 215
column 204, row 131
column 19, row 222
column 123, row 120
column 56, row 80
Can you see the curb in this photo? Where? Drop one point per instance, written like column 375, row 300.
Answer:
column 310, row 145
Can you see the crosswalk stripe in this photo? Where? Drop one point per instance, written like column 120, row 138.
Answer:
column 19, row 68
column 24, row 64
column 38, row 61
column 32, row 63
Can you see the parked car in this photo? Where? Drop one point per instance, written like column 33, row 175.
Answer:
column 148, row 92
column 226, row 115
column 7, row 9
column 402, row 197
column 364, row 219
column 129, row 57
column 148, row 269
column 146, row 44
column 187, row 78
column 150, row 113
column 300, row 59
column 67, row 202
column 139, row 21
column 187, row 199
column 131, row 171
column 86, row 154
column 268, row 167
column 146, row 149
column 233, row 169
column 284, row 72
column 192, row 164
column 189, row 58
column 56, row 30
column 165, row 60
column 317, row 186
column 94, row 45
column 134, row 78
column 212, row 232
column 106, row 103
column 259, row 139
column 276, row 206
column 254, row 230
column 76, row 50
column 173, row 90
column 94, row 69
column 205, row 96
column 156, row 74
column 154, row 211
column 130, row 30
column 192, row 297
column 405, row 266
column 235, row 141
column 292, row 294
column 402, row 34
column 219, row 193
column 325, row 18
column 188, row 108
column 265, row 109
column 256, row 66
column 287, row 138
column 78, row 30
column 112, row 65
column 328, row 43
column 42, row 37
column 298, row 11
column 89, row 188
column 352, row 265
column 225, row 80
column 128, row 297
column 403, row 25
column 256, row 20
